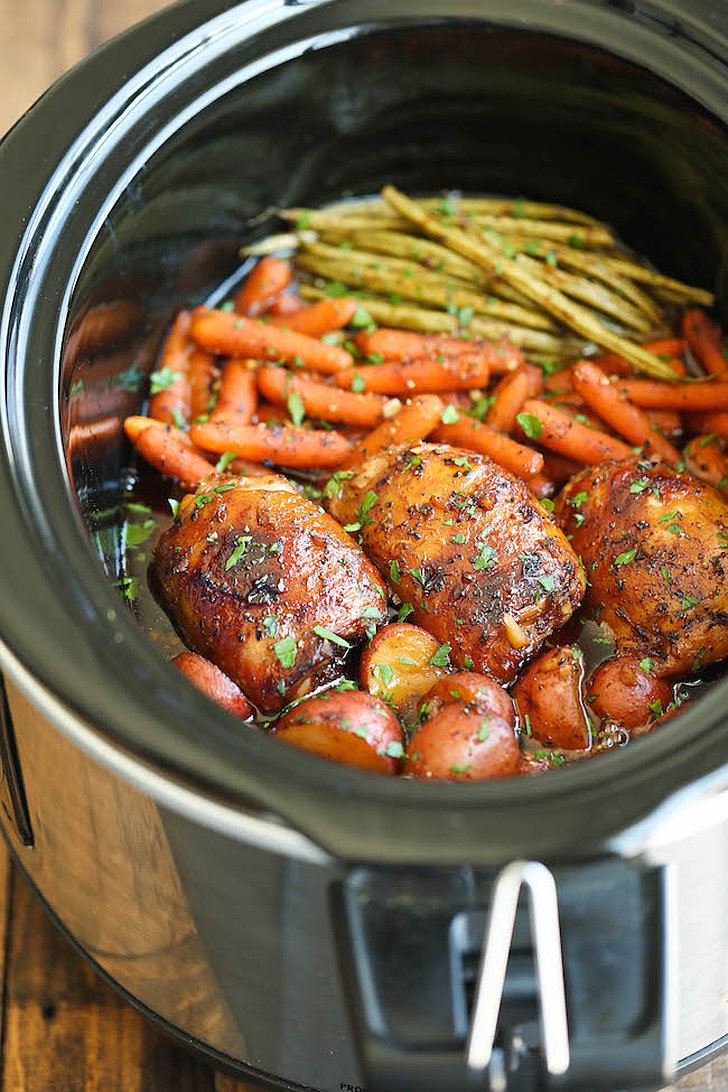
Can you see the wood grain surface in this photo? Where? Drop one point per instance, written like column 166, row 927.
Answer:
column 61, row 1028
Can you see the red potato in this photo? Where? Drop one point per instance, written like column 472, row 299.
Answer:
column 478, row 690
column 351, row 727
column 623, row 690
column 399, row 663
column 213, row 682
column 462, row 743
column 549, row 700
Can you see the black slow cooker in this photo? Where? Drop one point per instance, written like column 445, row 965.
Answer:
column 306, row 924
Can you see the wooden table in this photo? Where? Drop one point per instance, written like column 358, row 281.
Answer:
column 61, row 1028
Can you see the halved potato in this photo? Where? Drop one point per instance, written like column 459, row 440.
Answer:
column 401, row 664
column 348, row 726
column 549, row 700
column 215, row 683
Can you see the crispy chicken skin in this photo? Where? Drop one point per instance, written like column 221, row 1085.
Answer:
column 248, row 571
column 469, row 547
column 655, row 547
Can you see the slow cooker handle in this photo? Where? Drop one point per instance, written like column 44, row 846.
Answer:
column 397, row 942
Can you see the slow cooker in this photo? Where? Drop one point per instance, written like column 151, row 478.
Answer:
column 306, row 924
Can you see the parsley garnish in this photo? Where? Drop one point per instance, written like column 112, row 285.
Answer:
column 285, row 650
column 530, row 425
column 327, row 635
column 295, row 408
column 441, row 658
column 161, row 380
column 240, row 548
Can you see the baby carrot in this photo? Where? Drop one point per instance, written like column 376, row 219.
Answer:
column 417, row 376
column 705, row 339
column 233, row 335
column 705, row 458
column 557, row 431
column 709, row 422
column 164, row 450
column 264, row 283
column 285, row 304
column 520, row 460
column 414, row 422
column 203, row 372
column 238, row 392
column 283, row 445
column 541, row 486
column 208, row 678
column 669, row 422
column 405, row 345
column 320, row 400
column 320, row 318
column 558, row 468
column 653, row 394
column 510, row 394
column 171, row 403
column 617, row 410
column 669, row 348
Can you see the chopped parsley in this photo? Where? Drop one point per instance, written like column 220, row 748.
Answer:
column 449, row 415
column 240, row 548
column 270, row 624
column 530, row 425
column 285, row 650
column 163, row 379
column 394, row 571
column 484, row 730
column 441, row 658
column 224, row 461
column 358, row 384
column 296, row 410
column 625, row 558
column 327, row 635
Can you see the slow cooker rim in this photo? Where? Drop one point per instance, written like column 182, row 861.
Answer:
column 305, row 768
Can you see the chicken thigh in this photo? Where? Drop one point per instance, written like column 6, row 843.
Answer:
column 468, row 547
column 655, row 548
column 266, row 585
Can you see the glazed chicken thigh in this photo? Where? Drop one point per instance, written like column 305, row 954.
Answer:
column 468, row 547
column 655, row 548
column 266, row 585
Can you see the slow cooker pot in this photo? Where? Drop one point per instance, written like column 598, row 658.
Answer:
column 304, row 923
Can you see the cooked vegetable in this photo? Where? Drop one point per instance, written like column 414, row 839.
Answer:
column 405, row 345
column 616, row 409
column 550, row 703
column 202, row 375
column 625, row 692
column 522, row 461
column 676, row 396
column 476, row 690
column 401, row 664
column 551, row 299
column 561, row 433
column 165, row 449
column 422, row 376
column 461, row 743
column 353, row 728
column 414, row 421
column 233, row 335
column 705, row 341
column 320, row 400
column 269, row 277
column 170, row 384
column 320, row 318
column 509, row 396
column 286, row 446
column 238, row 397
column 215, row 683
column 706, row 458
